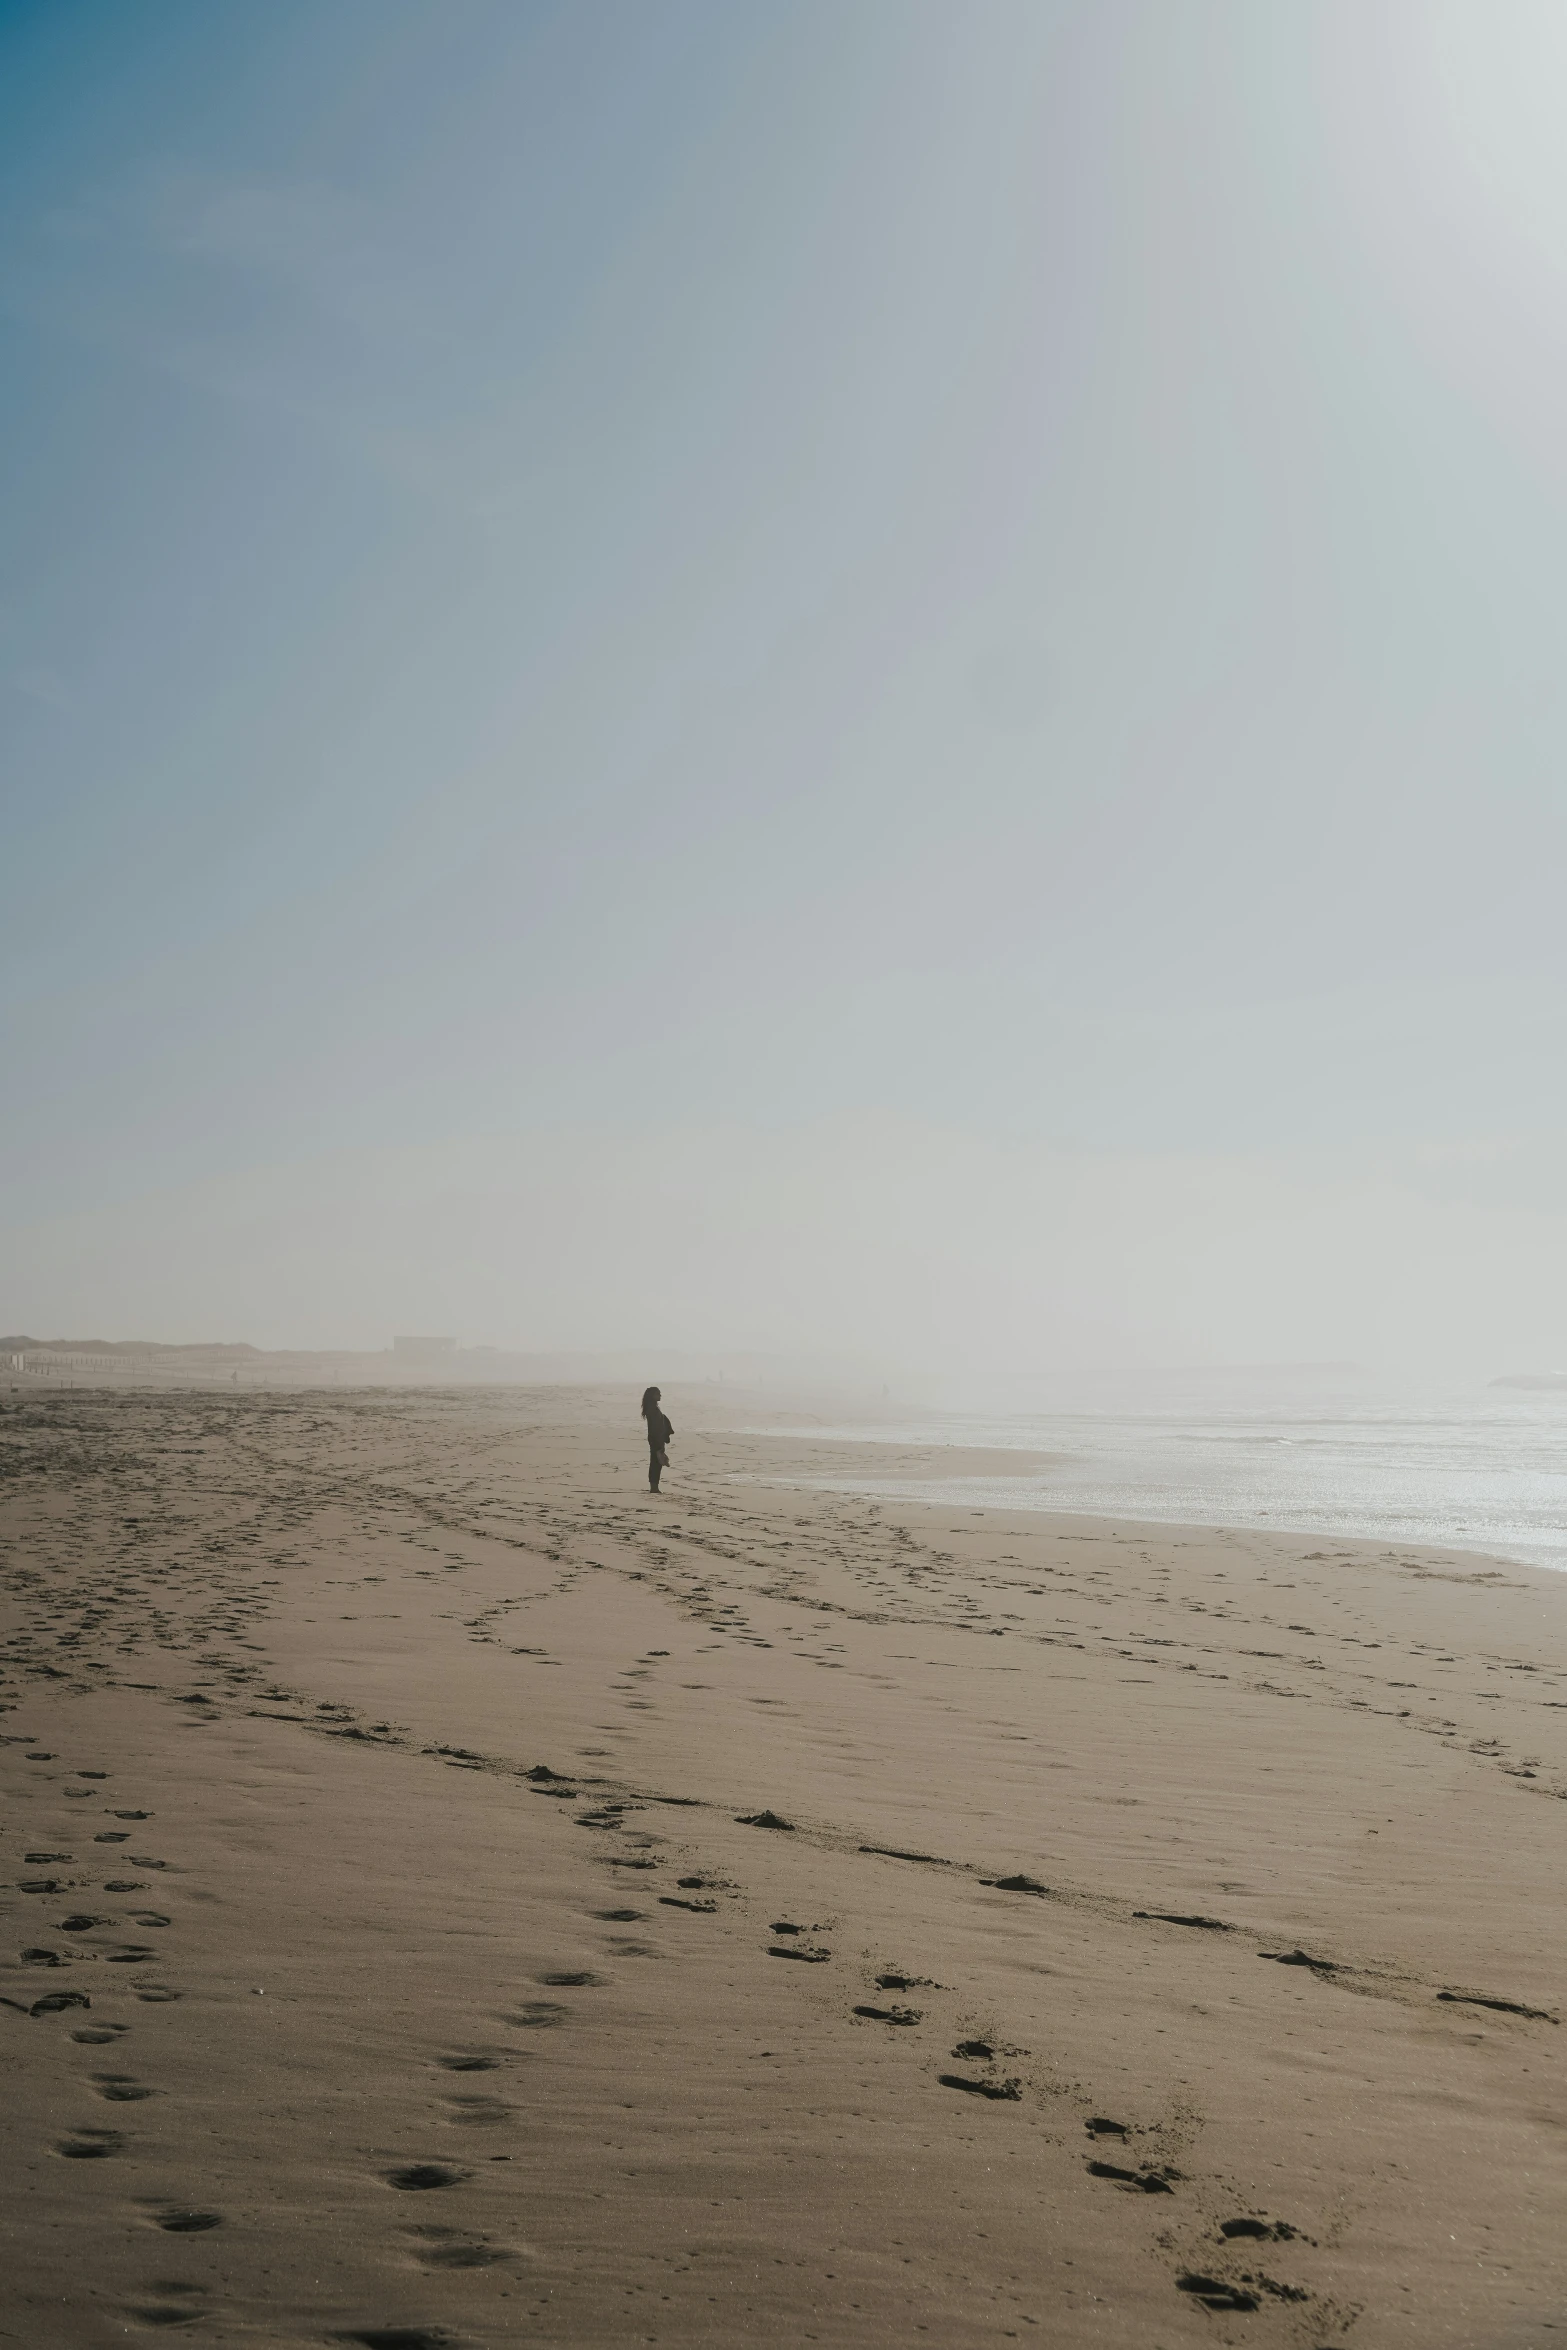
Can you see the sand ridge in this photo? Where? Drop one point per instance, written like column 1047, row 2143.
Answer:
column 834, row 1918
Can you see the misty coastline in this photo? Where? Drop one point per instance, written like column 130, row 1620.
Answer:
column 1463, row 1470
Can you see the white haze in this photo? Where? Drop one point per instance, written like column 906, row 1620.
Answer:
column 869, row 679
column 899, row 1248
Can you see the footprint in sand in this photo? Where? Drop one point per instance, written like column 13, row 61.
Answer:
column 170, row 2311
column 1007, row 2092
column 180, row 2221
column 56, row 2002
column 1213, row 2293
column 1144, row 2182
column 89, row 2145
column 121, row 2089
column 468, row 2064
column 420, row 2177
column 480, row 2113
column 890, row 2015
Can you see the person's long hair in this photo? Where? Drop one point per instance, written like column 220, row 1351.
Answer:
column 650, row 1396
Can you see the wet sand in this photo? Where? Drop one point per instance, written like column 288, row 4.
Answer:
column 451, row 1898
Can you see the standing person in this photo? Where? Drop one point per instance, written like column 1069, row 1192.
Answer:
column 659, row 1431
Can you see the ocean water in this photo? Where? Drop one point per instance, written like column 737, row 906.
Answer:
column 1328, row 1453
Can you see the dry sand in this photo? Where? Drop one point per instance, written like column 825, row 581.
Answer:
column 1155, row 1905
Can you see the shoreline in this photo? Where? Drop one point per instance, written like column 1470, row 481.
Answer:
column 987, row 1477
column 978, row 1498
column 1073, row 1781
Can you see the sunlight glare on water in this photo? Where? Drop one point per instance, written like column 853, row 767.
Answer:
column 1332, row 1453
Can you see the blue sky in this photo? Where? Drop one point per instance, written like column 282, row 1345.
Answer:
column 873, row 589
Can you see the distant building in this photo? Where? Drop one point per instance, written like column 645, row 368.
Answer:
column 422, row 1350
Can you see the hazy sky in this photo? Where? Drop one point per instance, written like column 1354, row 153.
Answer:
column 873, row 675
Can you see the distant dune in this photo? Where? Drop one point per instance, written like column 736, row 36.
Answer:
column 122, row 1346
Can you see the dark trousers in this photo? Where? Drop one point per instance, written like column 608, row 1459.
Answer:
column 657, row 1463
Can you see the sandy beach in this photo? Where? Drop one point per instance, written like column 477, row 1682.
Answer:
column 453, row 1898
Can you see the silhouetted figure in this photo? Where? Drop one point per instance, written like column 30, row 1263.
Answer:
column 659, row 1431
